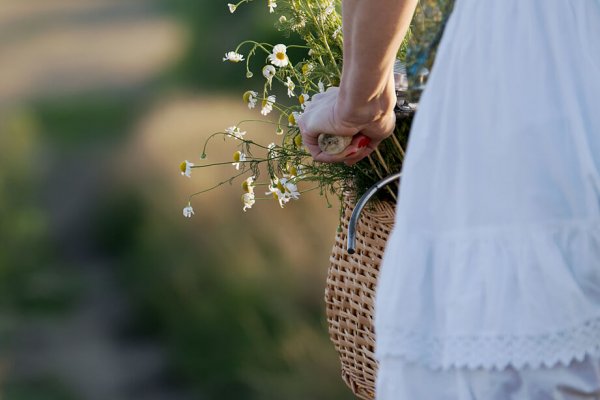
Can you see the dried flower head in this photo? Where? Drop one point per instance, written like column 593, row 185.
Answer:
column 233, row 57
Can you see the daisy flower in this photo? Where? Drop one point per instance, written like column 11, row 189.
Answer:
column 233, row 57
column 295, row 171
column 279, row 57
column 293, row 118
column 290, row 190
column 250, row 98
column 188, row 211
column 298, row 140
column 277, row 190
column 248, row 184
column 238, row 158
column 186, row 168
column 232, row 7
column 283, row 190
column 307, row 68
column 267, row 105
column 272, row 5
column 248, row 200
column 235, row 132
column 292, row 170
column 268, row 72
column 302, row 99
column 291, row 86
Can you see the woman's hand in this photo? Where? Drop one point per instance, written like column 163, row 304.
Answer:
column 368, row 124
column 363, row 105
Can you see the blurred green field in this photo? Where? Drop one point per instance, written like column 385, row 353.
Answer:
column 106, row 291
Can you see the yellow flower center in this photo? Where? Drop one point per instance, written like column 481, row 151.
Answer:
column 183, row 166
column 298, row 140
column 280, row 56
column 280, row 187
column 247, row 96
column 306, row 68
column 301, row 99
column 292, row 119
column 237, row 156
column 246, row 187
column 293, row 171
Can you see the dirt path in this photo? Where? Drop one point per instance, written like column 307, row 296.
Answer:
column 58, row 47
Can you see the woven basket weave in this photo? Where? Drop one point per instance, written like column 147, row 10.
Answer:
column 350, row 294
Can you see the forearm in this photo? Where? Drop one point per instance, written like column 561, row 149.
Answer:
column 373, row 32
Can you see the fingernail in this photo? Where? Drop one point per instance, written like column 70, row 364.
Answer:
column 363, row 142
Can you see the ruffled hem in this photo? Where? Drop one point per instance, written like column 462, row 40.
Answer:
column 525, row 296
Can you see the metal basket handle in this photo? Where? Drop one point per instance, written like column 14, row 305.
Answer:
column 360, row 204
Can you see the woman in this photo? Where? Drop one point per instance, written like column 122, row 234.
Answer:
column 490, row 284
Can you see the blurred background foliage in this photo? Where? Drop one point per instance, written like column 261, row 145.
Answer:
column 106, row 291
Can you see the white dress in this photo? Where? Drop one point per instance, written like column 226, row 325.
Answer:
column 492, row 272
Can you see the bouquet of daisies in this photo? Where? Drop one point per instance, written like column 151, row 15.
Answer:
column 283, row 168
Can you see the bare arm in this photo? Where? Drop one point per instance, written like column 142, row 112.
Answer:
column 364, row 102
column 373, row 32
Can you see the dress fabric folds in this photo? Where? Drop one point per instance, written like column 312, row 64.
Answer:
column 494, row 261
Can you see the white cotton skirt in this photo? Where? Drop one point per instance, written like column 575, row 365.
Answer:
column 494, row 260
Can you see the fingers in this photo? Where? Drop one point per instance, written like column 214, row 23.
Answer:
column 309, row 139
column 358, row 156
column 360, row 146
column 318, row 117
column 320, row 98
column 364, row 147
column 317, row 120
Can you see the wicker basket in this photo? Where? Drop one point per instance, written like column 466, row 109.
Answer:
column 350, row 294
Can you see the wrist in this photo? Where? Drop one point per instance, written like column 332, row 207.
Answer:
column 356, row 108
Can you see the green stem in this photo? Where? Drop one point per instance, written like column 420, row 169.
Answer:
column 217, row 185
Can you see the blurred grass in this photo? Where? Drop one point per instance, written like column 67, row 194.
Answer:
column 237, row 336
column 76, row 120
column 237, row 298
column 212, row 31
column 237, row 295
column 41, row 389
column 30, row 271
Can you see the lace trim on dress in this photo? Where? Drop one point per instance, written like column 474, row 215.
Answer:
column 496, row 351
